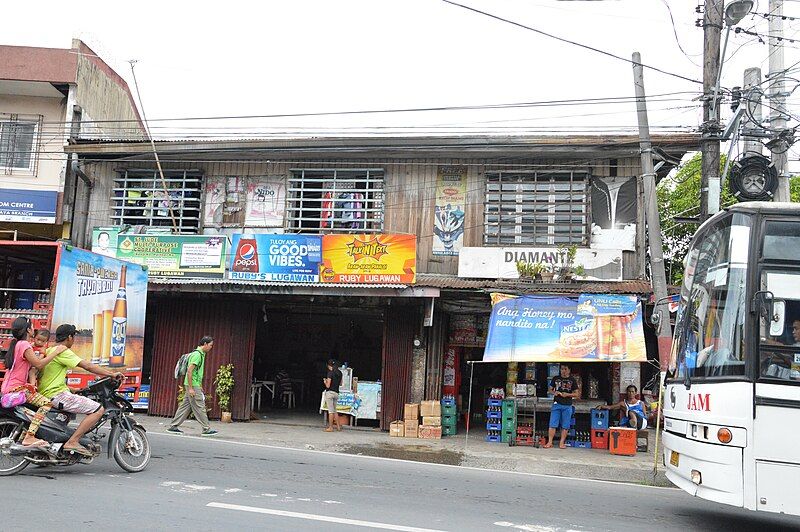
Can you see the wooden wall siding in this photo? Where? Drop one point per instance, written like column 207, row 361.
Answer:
column 410, row 191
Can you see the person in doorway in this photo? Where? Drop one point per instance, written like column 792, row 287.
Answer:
column 53, row 385
column 564, row 389
column 634, row 411
column 332, row 381
column 194, row 400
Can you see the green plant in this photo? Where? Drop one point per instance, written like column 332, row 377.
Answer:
column 580, row 271
column 528, row 269
column 224, row 383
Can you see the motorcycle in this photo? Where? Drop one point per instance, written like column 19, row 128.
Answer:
column 127, row 440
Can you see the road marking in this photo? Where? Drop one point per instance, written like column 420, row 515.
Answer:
column 431, row 464
column 315, row 517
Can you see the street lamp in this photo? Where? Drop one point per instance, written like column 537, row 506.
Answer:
column 736, row 10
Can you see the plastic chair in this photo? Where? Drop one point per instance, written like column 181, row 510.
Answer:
column 287, row 396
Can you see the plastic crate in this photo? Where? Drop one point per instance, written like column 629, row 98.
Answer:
column 448, row 402
column 449, row 410
column 524, row 430
column 449, row 420
column 491, row 414
column 5, row 323
column 449, row 430
column 494, row 439
column 494, row 426
column 525, row 440
column 599, row 439
column 494, row 402
column 507, row 435
column 622, row 441
column 38, row 323
column 600, row 419
column 582, row 444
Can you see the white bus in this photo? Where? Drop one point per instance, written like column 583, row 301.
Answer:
column 732, row 406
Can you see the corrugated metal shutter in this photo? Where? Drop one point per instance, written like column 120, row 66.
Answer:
column 435, row 357
column 398, row 347
column 179, row 324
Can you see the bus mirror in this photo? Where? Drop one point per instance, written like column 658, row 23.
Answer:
column 776, row 324
column 655, row 318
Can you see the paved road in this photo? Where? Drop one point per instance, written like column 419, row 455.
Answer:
column 204, row 484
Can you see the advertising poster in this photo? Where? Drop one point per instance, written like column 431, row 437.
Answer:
column 175, row 255
column 214, row 201
column 602, row 328
column 369, row 258
column 266, row 202
column 104, row 241
column 105, row 299
column 286, row 258
column 451, row 198
column 29, row 206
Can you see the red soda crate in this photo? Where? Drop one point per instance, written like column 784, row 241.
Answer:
column 5, row 323
column 599, row 439
column 40, row 323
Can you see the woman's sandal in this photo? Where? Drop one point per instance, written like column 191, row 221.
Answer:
column 80, row 450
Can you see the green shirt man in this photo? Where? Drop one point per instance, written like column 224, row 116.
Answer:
column 197, row 359
column 194, row 401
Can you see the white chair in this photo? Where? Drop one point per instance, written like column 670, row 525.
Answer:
column 288, row 397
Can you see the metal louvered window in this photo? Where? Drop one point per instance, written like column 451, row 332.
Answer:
column 19, row 150
column 335, row 201
column 141, row 197
column 537, row 208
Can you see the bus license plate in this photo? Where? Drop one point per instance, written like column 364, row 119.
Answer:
column 674, row 458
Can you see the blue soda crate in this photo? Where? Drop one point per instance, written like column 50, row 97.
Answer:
column 600, row 419
column 490, row 414
column 494, row 426
column 494, row 439
column 448, row 402
column 494, row 402
column 582, row 444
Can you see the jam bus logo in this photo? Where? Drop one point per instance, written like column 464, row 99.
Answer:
column 699, row 401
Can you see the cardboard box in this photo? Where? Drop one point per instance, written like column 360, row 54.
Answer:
column 397, row 429
column 430, row 433
column 432, row 421
column 430, row 409
column 411, row 411
column 411, row 426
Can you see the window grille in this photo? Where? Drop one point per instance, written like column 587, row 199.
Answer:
column 537, row 208
column 140, row 198
column 19, row 150
column 335, row 201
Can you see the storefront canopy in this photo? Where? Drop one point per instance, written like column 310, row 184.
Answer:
column 588, row 328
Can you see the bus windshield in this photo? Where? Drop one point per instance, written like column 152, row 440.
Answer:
column 709, row 331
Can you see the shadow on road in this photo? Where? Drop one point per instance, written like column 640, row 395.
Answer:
column 414, row 453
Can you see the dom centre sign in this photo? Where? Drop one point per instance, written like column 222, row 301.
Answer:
column 287, row 258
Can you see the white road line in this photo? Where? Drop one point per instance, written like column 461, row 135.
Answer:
column 315, row 517
column 398, row 460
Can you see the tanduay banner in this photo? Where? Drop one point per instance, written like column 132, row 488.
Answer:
column 589, row 328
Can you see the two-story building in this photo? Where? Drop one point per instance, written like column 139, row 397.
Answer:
column 474, row 205
column 48, row 95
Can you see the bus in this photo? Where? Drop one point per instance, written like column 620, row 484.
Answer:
column 732, row 397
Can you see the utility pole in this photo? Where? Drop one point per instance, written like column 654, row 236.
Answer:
column 657, row 273
column 710, row 129
column 777, row 96
column 752, row 79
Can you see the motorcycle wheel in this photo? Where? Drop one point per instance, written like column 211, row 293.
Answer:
column 10, row 465
column 131, row 449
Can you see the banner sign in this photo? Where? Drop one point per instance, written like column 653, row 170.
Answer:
column 451, row 197
column 606, row 305
column 369, row 258
column 175, row 255
column 286, row 258
column 501, row 263
column 29, row 206
column 551, row 329
column 105, row 299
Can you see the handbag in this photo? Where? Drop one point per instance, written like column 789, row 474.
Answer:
column 12, row 399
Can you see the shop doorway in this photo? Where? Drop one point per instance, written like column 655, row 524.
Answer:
column 292, row 347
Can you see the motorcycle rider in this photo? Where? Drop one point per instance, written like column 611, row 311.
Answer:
column 53, row 385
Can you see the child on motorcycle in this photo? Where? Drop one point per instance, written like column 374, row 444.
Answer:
column 20, row 362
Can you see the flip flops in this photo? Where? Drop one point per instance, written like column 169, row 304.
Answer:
column 83, row 451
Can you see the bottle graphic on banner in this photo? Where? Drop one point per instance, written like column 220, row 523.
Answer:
column 246, row 258
column 105, row 354
column 97, row 338
column 119, row 323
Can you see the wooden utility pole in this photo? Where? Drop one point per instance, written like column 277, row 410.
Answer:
column 657, row 273
column 710, row 129
column 777, row 95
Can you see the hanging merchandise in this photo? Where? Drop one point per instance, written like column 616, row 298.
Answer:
column 327, row 205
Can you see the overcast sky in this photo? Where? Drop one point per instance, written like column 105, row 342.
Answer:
column 207, row 59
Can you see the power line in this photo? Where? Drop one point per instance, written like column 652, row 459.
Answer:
column 574, row 43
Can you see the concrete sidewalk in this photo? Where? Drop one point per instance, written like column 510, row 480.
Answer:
column 455, row 450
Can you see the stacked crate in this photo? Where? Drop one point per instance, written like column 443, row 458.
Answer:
column 600, row 424
column 509, row 420
column 449, row 417
column 494, row 420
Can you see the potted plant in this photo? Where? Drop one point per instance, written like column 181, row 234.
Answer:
column 224, row 383
column 547, row 273
column 527, row 270
column 569, row 269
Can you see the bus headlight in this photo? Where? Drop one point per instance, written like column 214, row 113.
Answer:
column 697, row 478
column 724, row 435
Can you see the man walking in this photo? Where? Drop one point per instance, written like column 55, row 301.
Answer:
column 194, row 400
column 564, row 389
column 332, row 381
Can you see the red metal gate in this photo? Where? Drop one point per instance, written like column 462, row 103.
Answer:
column 398, row 345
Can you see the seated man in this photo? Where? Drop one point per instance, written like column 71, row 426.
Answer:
column 53, row 385
column 634, row 410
